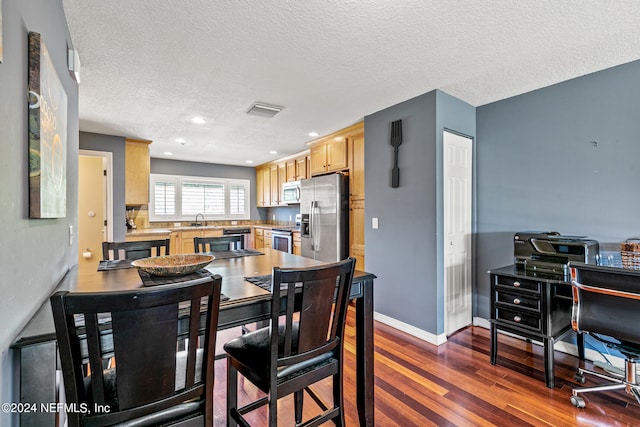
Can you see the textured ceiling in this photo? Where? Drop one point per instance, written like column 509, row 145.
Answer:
column 149, row 66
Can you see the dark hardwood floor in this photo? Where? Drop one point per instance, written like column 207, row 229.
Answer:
column 419, row 384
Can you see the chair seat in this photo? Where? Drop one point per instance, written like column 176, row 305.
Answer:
column 252, row 350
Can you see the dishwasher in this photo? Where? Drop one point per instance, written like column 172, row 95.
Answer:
column 245, row 231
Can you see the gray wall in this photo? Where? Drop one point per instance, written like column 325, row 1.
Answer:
column 538, row 168
column 35, row 253
column 115, row 145
column 176, row 167
column 405, row 252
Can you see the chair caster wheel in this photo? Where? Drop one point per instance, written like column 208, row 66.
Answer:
column 580, row 378
column 578, row 402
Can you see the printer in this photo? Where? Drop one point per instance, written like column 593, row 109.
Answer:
column 550, row 252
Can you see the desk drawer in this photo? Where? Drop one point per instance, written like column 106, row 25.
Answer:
column 515, row 317
column 516, row 283
column 518, row 299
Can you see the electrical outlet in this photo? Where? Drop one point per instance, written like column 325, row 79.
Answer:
column 273, row 217
column 71, row 235
column 234, row 222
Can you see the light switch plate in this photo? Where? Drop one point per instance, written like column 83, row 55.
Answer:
column 374, row 223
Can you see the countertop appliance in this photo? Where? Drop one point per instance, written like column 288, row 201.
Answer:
column 550, row 252
column 291, row 192
column 324, row 230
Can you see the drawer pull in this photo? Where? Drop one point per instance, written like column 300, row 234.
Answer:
column 516, row 284
column 517, row 319
column 516, row 301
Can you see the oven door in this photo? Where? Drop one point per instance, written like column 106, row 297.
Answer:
column 282, row 241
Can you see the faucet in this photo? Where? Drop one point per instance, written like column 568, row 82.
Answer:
column 198, row 215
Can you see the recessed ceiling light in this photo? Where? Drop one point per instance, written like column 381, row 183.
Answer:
column 168, row 153
column 180, row 140
column 198, row 120
column 273, row 152
column 248, row 161
column 314, row 134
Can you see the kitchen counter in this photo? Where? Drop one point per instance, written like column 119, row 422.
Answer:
column 149, row 232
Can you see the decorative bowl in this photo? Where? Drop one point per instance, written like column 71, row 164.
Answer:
column 173, row 265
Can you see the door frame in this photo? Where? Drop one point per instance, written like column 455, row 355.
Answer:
column 107, row 164
column 471, row 230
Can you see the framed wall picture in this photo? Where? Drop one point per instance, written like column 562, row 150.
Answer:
column 47, row 135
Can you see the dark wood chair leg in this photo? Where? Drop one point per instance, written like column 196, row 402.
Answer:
column 298, row 396
column 338, row 399
column 232, row 394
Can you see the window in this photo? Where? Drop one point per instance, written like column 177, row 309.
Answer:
column 181, row 198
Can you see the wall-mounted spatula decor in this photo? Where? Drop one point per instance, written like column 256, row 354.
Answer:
column 396, row 140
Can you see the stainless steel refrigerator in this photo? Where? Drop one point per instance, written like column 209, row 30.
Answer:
column 324, row 227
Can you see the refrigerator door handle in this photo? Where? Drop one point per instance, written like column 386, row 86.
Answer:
column 311, row 224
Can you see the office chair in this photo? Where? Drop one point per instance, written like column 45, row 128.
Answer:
column 297, row 350
column 142, row 329
column 218, row 244
column 606, row 305
column 135, row 250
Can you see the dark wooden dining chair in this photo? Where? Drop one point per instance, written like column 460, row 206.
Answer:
column 162, row 339
column 135, row 250
column 299, row 348
column 218, row 244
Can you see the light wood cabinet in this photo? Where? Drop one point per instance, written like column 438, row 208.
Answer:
column 184, row 239
column 356, row 198
column 330, row 155
column 296, row 169
column 270, row 178
column 302, row 167
column 267, row 239
column 297, row 244
column 274, row 179
column 137, row 172
column 291, row 171
column 260, row 178
column 259, row 238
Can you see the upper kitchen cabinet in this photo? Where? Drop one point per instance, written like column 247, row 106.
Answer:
column 297, row 168
column 329, row 155
column 271, row 176
column 137, row 172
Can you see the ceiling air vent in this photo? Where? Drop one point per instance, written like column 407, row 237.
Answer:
column 264, row 110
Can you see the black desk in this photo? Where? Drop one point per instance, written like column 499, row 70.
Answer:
column 35, row 347
column 535, row 306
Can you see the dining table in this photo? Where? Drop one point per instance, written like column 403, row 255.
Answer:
column 245, row 300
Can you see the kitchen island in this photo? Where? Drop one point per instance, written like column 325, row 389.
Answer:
column 36, row 351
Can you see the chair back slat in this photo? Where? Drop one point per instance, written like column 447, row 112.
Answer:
column 95, row 357
column 135, row 250
column 144, row 332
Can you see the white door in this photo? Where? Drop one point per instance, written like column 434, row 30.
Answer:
column 458, row 166
column 93, row 205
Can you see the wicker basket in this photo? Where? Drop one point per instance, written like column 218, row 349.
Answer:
column 630, row 251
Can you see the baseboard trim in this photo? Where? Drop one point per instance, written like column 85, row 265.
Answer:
column 561, row 346
column 411, row 330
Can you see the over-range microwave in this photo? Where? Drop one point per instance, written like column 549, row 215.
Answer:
column 291, row 192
